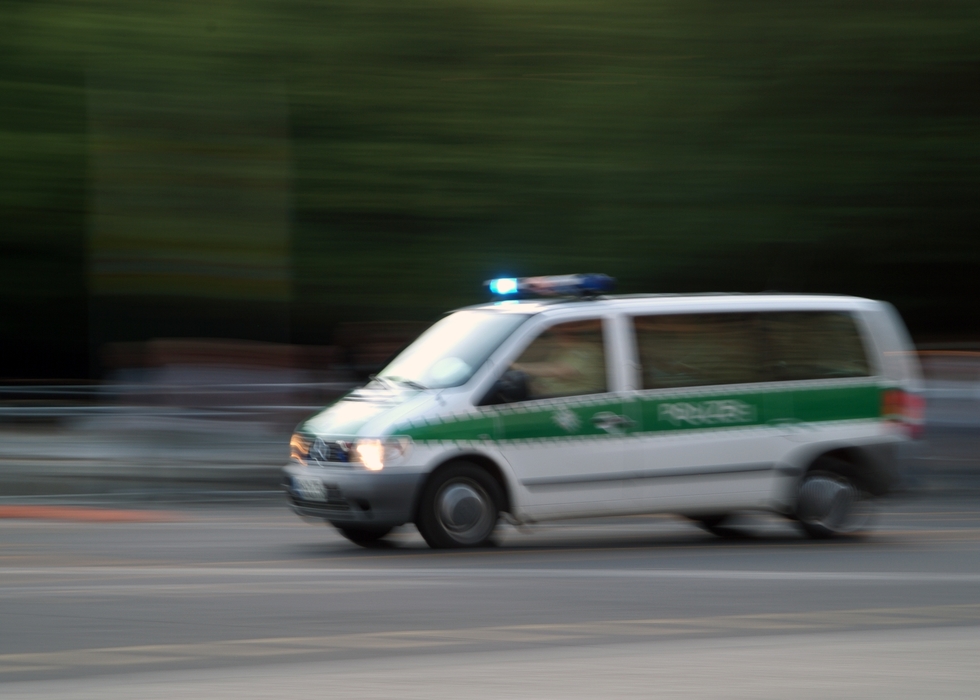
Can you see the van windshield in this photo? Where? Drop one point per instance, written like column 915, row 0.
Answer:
column 451, row 351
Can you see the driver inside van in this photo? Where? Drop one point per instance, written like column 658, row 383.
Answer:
column 565, row 360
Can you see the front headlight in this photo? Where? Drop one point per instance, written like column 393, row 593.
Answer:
column 299, row 448
column 374, row 453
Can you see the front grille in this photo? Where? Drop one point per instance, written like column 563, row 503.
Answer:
column 329, row 452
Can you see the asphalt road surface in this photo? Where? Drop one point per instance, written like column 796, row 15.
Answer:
column 247, row 601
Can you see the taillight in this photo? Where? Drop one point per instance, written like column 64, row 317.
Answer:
column 906, row 409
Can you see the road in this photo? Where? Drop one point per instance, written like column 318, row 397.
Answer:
column 248, row 601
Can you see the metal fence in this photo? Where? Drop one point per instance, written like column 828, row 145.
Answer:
column 267, row 401
column 153, row 428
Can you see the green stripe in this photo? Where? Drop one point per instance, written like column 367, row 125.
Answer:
column 843, row 403
column 677, row 411
column 478, row 427
column 556, row 421
column 732, row 409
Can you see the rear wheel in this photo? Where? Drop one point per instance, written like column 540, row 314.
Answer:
column 364, row 536
column 830, row 503
column 459, row 507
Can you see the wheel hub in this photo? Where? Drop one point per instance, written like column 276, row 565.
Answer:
column 462, row 507
column 827, row 501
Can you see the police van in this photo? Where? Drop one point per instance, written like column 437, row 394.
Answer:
column 558, row 400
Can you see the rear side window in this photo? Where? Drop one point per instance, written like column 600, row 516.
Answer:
column 698, row 349
column 678, row 350
column 813, row 345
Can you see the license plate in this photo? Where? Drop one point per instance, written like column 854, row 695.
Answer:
column 310, row 488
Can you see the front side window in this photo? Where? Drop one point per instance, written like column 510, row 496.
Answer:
column 567, row 359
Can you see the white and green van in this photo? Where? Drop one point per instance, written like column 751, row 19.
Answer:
column 596, row 405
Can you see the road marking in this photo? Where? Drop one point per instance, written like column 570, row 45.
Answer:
column 533, row 634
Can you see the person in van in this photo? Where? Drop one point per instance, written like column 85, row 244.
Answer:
column 565, row 360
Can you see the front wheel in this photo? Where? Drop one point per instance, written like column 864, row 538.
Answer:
column 831, row 505
column 459, row 507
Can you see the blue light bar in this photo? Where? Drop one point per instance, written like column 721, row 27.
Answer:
column 590, row 284
column 503, row 286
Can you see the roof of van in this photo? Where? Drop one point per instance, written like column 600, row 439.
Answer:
column 693, row 302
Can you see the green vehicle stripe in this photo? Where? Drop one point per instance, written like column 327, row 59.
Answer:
column 476, row 427
column 720, row 409
column 676, row 410
column 850, row 403
column 558, row 421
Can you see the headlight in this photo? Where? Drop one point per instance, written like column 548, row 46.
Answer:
column 374, row 454
column 299, row 448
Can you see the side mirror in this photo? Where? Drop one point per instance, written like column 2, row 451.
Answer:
column 512, row 386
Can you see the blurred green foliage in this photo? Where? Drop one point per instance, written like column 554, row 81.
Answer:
column 679, row 145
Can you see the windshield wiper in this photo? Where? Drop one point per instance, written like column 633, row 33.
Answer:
column 385, row 382
column 406, row 382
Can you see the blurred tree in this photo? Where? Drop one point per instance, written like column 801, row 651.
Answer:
column 680, row 146
column 43, row 307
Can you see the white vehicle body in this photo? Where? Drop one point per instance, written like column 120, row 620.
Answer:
column 699, row 447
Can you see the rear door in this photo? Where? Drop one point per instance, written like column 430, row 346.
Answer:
column 712, row 427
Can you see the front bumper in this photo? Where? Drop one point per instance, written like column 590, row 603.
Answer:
column 357, row 497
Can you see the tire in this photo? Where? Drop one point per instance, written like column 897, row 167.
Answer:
column 830, row 504
column 364, row 536
column 459, row 507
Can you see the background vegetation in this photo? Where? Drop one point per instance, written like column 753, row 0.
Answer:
column 268, row 169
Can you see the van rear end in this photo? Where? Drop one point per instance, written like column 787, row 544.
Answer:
column 903, row 403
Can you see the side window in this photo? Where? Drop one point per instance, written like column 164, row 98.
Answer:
column 679, row 350
column 813, row 345
column 567, row 359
